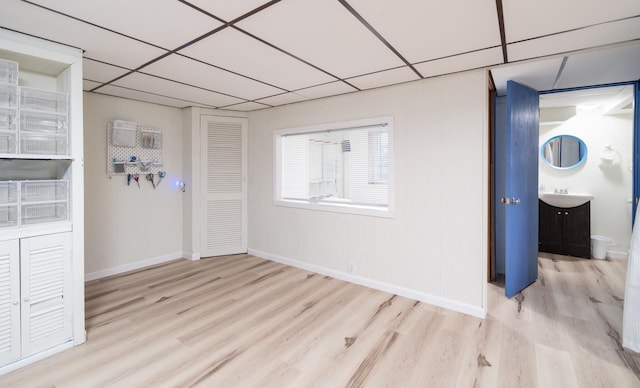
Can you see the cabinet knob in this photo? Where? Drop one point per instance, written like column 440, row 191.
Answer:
column 26, row 299
column 559, row 213
column 566, row 213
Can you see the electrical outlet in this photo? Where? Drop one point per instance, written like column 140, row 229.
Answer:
column 351, row 267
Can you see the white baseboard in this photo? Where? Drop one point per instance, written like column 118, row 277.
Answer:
column 131, row 266
column 617, row 255
column 36, row 357
column 191, row 255
column 378, row 285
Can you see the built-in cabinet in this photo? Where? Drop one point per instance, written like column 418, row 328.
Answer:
column 41, row 199
column 565, row 231
column 35, row 295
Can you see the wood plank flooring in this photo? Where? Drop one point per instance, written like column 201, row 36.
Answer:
column 240, row 321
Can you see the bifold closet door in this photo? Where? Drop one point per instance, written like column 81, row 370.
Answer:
column 224, row 185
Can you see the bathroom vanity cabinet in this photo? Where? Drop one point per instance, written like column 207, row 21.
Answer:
column 565, row 231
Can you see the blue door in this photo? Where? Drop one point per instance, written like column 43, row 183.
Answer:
column 516, row 194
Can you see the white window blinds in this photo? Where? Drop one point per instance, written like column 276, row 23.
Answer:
column 346, row 167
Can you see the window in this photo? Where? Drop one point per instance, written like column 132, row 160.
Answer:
column 343, row 167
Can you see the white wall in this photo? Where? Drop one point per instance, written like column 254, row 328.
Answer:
column 611, row 185
column 435, row 247
column 127, row 227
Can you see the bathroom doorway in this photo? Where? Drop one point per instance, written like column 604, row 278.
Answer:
column 595, row 160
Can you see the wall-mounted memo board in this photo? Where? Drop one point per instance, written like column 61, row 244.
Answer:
column 125, row 140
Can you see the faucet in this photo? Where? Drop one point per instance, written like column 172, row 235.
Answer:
column 561, row 191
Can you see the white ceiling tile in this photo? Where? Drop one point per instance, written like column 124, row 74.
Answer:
column 530, row 19
column 98, row 43
column 236, row 51
column 142, row 96
column 330, row 89
column 422, row 30
column 603, row 34
column 474, row 60
column 598, row 68
column 195, row 73
column 89, row 85
column 161, row 22
column 539, row 75
column 384, row 78
column 246, row 106
column 155, row 85
column 283, row 99
column 323, row 33
column 228, row 10
column 98, row 71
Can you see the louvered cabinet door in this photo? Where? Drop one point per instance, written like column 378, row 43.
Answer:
column 45, row 289
column 224, row 186
column 9, row 301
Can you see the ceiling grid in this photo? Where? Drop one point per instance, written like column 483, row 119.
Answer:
column 255, row 54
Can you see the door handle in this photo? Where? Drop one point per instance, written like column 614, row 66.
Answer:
column 510, row 201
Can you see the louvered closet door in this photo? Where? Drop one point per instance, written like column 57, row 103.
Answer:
column 224, row 186
column 45, row 285
column 9, row 301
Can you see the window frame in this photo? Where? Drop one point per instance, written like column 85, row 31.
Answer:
column 358, row 209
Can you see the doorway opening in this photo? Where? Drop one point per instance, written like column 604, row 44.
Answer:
column 586, row 142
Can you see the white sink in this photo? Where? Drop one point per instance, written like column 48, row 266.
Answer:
column 565, row 200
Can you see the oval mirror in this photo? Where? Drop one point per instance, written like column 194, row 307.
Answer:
column 564, row 152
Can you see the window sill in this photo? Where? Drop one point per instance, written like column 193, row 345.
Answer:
column 337, row 207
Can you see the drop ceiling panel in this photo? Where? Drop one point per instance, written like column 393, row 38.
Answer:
column 539, row 75
column 155, row 85
column 384, row 78
column 246, row 106
column 597, row 97
column 228, row 10
column 323, row 33
column 598, row 68
column 330, row 89
column 198, row 74
column 147, row 97
column 161, row 22
column 422, row 30
column 238, row 52
column 530, row 19
column 102, row 72
column 98, row 43
column 603, row 34
column 88, row 85
column 283, row 99
column 461, row 62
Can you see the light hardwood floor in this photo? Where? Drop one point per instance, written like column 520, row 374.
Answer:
column 240, row 321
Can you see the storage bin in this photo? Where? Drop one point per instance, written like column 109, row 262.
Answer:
column 123, row 133
column 40, row 213
column 44, row 101
column 7, row 142
column 8, row 96
column 8, row 72
column 43, row 123
column 44, row 144
column 45, row 190
column 8, row 119
column 8, row 216
column 8, row 192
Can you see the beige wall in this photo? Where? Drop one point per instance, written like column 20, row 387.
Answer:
column 435, row 247
column 127, row 227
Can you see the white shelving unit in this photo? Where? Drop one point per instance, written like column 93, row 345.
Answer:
column 41, row 199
